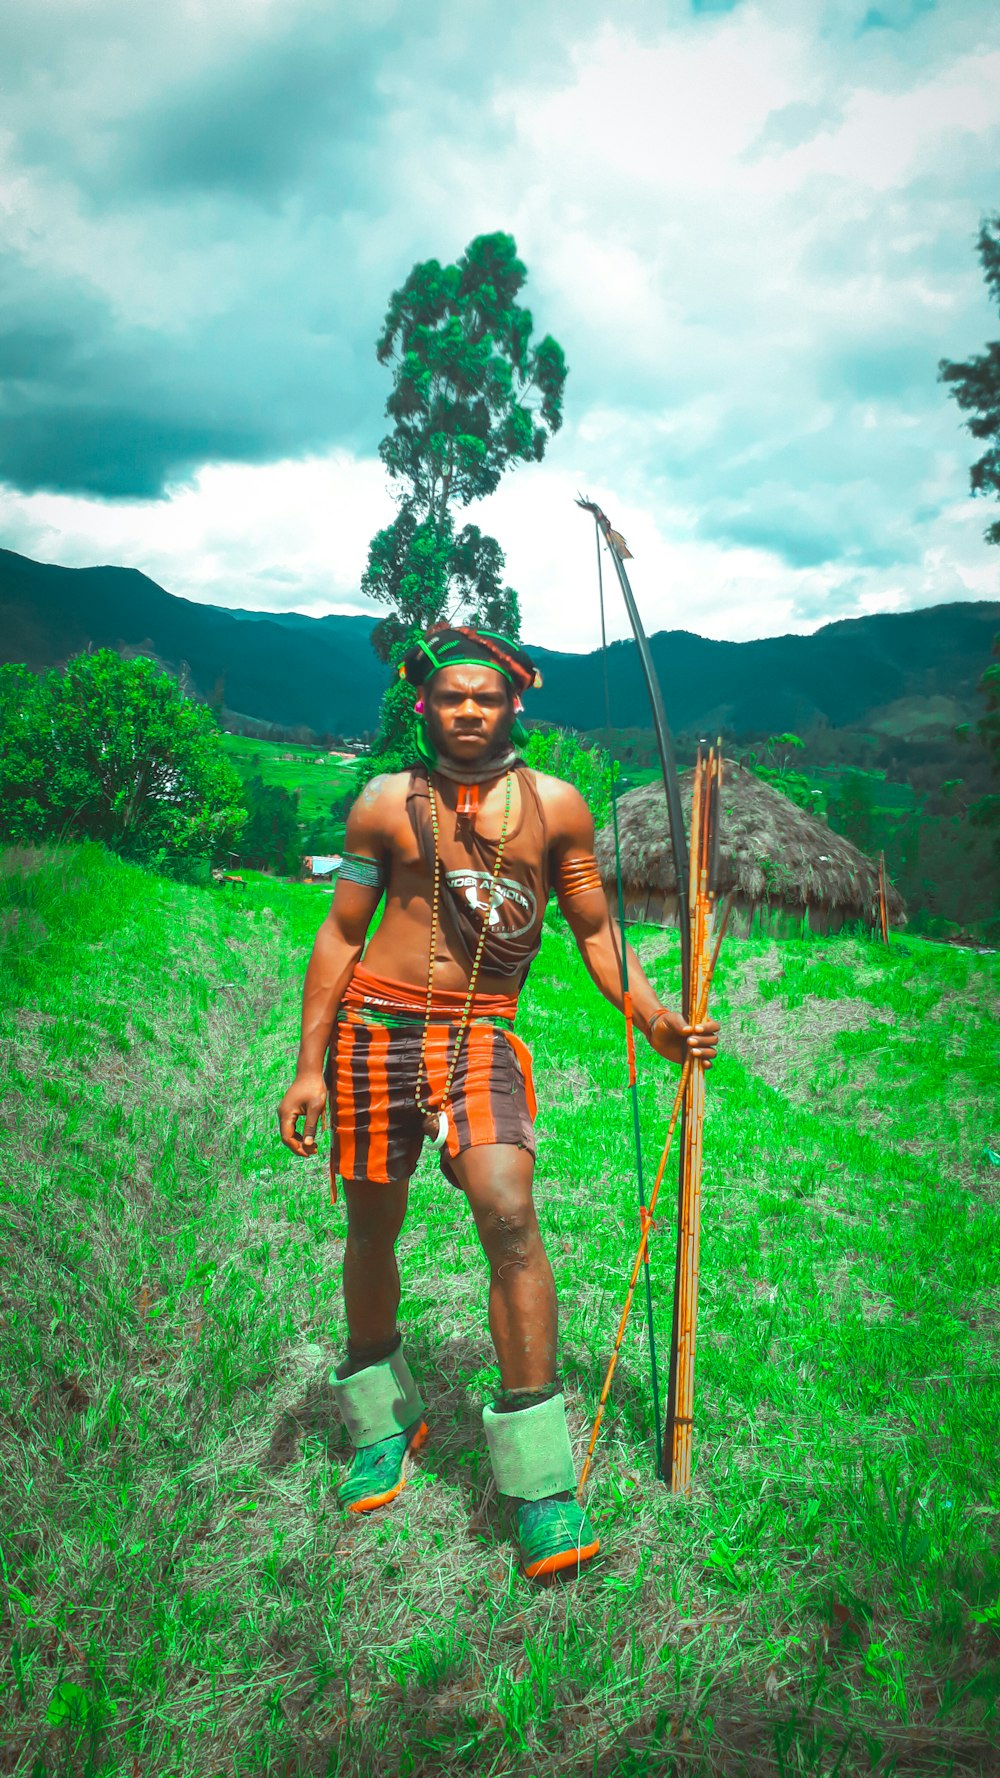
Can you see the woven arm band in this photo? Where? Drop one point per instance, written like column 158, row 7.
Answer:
column 368, row 872
column 577, row 876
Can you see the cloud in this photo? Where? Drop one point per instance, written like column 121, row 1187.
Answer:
column 751, row 227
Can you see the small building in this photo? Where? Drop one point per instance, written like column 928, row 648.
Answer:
column 789, row 870
column 322, row 870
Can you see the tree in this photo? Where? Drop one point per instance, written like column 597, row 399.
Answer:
column 590, row 769
column 471, row 397
column 985, row 811
column 976, row 383
column 776, row 769
column 270, row 840
column 852, row 812
column 112, row 750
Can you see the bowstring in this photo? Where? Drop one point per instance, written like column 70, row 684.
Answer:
column 622, row 954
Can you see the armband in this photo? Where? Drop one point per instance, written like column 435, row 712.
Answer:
column 368, row 872
column 578, row 876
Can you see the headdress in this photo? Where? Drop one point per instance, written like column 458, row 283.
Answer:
column 450, row 646
column 446, row 646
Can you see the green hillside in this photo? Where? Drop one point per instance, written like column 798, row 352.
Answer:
column 313, row 776
column 182, row 1594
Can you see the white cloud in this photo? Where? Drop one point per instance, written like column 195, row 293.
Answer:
column 294, row 536
column 289, row 536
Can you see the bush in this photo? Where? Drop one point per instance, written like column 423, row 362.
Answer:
column 112, row 750
column 589, row 769
column 270, row 839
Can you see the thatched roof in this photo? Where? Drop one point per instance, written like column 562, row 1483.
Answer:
column 770, row 851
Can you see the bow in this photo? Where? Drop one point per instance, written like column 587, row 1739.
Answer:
column 678, row 841
column 668, row 763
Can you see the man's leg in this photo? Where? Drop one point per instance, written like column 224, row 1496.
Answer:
column 375, row 1216
column 375, row 1389
column 526, row 1427
column 497, row 1181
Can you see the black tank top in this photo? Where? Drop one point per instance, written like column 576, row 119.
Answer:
column 514, row 930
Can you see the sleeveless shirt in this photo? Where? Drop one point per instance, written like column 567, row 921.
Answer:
column 514, row 917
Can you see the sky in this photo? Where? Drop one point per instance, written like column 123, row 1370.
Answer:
column 751, row 227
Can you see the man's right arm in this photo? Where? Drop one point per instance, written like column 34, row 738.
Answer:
column 339, row 943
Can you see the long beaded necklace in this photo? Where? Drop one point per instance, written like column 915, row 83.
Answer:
column 438, row 1129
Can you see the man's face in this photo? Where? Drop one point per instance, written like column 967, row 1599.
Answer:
column 470, row 713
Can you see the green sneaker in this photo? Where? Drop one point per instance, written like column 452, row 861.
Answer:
column 554, row 1534
column 378, row 1472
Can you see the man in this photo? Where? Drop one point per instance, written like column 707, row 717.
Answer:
column 466, row 847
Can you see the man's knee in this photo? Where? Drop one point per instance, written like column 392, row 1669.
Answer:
column 508, row 1230
column 375, row 1213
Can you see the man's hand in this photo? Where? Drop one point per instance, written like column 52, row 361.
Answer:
column 306, row 1097
column 672, row 1038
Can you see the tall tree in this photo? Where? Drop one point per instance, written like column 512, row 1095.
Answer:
column 976, row 383
column 976, row 388
column 472, row 396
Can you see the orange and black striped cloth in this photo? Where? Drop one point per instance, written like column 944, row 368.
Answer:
column 373, row 1068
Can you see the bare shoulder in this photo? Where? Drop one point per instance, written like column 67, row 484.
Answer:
column 377, row 809
column 566, row 813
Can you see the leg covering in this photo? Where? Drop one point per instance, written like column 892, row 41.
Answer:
column 378, row 1401
column 530, row 1449
column 533, row 1464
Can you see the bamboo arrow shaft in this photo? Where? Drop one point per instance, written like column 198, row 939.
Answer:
column 647, row 1218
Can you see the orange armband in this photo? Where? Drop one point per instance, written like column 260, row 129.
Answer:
column 578, row 876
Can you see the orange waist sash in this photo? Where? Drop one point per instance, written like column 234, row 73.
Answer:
column 380, row 994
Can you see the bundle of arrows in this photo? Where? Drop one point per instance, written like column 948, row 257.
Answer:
column 706, row 942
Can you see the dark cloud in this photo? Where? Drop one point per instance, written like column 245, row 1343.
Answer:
column 94, row 405
column 256, row 182
column 896, row 15
column 287, row 112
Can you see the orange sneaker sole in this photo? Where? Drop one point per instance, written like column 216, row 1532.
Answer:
column 563, row 1559
column 371, row 1501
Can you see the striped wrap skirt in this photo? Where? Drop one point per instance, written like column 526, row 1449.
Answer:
column 373, row 1075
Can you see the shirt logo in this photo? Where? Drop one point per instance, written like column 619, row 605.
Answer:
column 509, row 911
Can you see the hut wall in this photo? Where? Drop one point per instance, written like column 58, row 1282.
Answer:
column 653, row 908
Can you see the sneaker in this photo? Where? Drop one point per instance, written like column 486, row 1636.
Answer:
column 378, row 1472
column 554, row 1533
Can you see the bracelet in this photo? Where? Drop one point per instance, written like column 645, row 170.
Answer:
column 578, row 876
column 660, row 1013
column 367, row 872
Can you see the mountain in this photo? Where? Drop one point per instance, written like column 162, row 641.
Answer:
column 902, row 672
column 280, row 667
column 859, row 670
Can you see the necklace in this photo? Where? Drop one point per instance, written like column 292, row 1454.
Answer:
column 439, row 1130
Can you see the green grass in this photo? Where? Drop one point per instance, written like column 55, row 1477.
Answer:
column 316, row 779
column 182, row 1593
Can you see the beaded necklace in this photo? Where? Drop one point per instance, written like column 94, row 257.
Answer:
column 438, row 1129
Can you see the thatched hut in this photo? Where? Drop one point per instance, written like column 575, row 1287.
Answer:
column 788, row 869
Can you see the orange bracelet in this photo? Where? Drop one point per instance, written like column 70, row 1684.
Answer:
column 578, row 876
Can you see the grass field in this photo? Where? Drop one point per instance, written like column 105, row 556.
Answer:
column 182, row 1594
column 317, row 779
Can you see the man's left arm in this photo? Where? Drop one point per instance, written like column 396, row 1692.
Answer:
column 582, row 901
